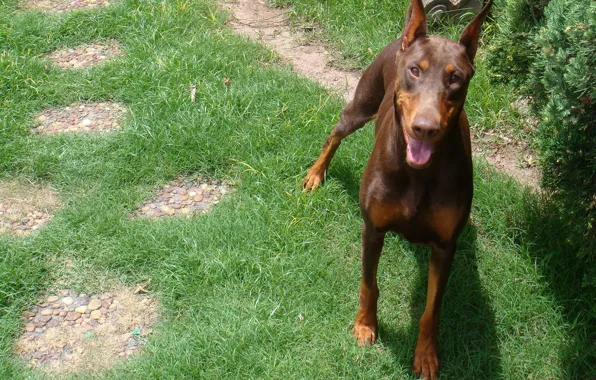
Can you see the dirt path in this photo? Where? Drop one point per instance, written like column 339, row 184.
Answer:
column 271, row 26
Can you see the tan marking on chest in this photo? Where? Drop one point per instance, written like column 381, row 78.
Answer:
column 444, row 222
column 385, row 214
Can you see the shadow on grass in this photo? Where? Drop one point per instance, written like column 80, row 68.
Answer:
column 349, row 178
column 564, row 252
column 468, row 346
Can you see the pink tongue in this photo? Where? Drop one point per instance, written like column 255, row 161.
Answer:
column 419, row 152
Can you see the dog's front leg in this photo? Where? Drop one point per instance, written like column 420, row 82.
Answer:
column 365, row 326
column 353, row 117
column 426, row 360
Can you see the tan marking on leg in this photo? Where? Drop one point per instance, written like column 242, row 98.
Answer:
column 316, row 173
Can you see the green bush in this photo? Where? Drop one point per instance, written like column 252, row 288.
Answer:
column 512, row 49
column 563, row 84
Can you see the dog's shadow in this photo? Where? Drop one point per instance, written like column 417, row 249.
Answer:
column 468, row 346
column 348, row 176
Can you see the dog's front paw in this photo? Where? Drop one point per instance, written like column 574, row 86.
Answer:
column 313, row 179
column 426, row 361
column 365, row 335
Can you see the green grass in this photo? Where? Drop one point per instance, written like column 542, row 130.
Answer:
column 234, row 282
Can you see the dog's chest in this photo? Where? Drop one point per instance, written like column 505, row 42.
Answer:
column 421, row 214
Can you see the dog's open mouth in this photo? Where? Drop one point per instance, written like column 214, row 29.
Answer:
column 418, row 153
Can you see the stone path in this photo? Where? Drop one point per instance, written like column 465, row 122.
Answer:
column 25, row 207
column 87, row 55
column 62, row 5
column 185, row 197
column 80, row 117
column 69, row 332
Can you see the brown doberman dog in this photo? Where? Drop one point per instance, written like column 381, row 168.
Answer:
column 418, row 180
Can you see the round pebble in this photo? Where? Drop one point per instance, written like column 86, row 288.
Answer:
column 67, row 301
column 96, row 314
column 94, row 304
column 72, row 316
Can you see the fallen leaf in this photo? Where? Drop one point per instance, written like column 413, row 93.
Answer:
column 142, row 288
column 193, row 92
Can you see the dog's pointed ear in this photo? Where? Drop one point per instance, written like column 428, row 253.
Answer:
column 471, row 34
column 415, row 24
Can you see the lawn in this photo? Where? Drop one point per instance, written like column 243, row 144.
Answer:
column 264, row 286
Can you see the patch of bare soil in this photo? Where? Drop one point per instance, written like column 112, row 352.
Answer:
column 185, row 197
column 514, row 158
column 511, row 155
column 25, row 207
column 270, row 25
column 80, row 117
column 62, row 5
column 87, row 55
column 71, row 332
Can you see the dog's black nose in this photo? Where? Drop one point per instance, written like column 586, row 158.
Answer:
column 425, row 128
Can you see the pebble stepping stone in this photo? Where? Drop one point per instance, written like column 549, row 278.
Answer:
column 63, row 337
column 88, row 55
column 25, row 208
column 80, row 117
column 25, row 225
column 185, row 197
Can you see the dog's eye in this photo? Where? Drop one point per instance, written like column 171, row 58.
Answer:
column 454, row 78
column 415, row 71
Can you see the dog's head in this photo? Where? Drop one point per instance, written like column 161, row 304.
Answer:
column 432, row 82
